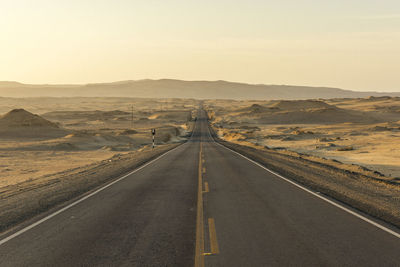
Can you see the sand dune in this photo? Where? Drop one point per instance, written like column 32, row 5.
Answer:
column 299, row 111
column 19, row 123
column 86, row 115
column 23, row 118
column 300, row 105
column 171, row 115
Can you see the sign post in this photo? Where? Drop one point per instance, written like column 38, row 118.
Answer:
column 153, row 132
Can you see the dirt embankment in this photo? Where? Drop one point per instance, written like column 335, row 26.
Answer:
column 22, row 201
column 362, row 189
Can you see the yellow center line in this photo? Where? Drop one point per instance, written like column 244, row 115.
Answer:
column 206, row 188
column 213, row 236
column 199, row 254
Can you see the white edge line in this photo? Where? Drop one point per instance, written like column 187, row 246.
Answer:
column 8, row 238
column 315, row 194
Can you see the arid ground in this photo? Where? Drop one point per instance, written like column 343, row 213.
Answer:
column 43, row 136
column 362, row 131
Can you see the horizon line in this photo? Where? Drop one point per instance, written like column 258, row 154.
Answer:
column 182, row 80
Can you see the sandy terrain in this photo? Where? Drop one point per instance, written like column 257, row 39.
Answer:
column 43, row 136
column 363, row 131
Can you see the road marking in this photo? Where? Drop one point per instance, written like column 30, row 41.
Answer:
column 213, row 237
column 319, row 196
column 204, row 169
column 206, row 188
column 8, row 238
column 199, row 253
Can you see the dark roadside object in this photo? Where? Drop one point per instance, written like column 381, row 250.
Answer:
column 153, row 132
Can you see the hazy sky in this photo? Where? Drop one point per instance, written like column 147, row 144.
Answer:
column 352, row 44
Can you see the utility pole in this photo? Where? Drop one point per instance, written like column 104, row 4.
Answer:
column 132, row 118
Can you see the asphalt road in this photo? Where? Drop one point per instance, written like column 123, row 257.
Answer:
column 241, row 215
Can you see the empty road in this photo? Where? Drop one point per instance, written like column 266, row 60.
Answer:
column 202, row 205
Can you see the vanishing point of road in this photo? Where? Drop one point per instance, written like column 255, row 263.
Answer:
column 202, row 204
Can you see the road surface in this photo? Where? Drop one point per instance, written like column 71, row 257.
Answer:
column 202, row 205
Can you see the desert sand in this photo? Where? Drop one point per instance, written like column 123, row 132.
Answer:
column 43, row 136
column 361, row 131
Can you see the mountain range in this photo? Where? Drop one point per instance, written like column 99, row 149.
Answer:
column 169, row 88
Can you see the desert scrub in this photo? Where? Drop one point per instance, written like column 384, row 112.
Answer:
column 345, row 148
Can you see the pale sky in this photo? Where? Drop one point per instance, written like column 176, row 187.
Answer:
column 351, row 44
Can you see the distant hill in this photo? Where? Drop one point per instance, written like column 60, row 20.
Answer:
column 19, row 123
column 23, row 118
column 168, row 88
column 300, row 111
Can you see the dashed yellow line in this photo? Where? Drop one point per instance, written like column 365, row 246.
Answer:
column 213, row 236
column 199, row 250
column 206, row 188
